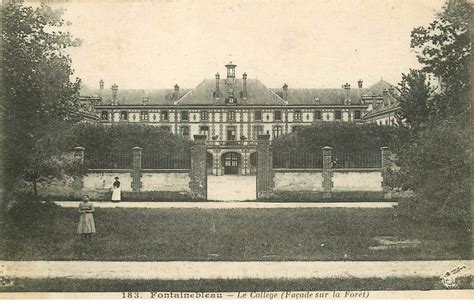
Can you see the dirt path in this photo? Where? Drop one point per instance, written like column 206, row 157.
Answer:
column 234, row 205
column 230, row 270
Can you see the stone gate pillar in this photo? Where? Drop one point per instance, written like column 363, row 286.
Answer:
column 78, row 183
column 264, row 167
column 386, row 165
column 136, row 168
column 198, row 173
column 327, row 172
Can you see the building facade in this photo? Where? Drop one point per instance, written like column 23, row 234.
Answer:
column 232, row 112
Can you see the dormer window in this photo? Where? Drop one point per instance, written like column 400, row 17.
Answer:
column 231, row 100
column 104, row 115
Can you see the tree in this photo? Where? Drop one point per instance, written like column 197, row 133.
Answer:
column 39, row 98
column 444, row 49
column 416, row 99
column 434, row 152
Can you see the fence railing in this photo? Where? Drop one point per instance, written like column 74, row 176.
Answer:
column 154, row 161
column 115, row 160
column 361, row 159
column 297, row 160
column 340, row 159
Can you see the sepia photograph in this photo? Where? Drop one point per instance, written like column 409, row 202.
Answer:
column 265, row 150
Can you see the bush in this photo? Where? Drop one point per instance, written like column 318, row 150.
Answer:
column 339, row 136
column 100, row 138
column 26, row 213
column 435, row 163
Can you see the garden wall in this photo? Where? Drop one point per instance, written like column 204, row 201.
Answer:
column 357, row 180
column 136, row 183
column 340, row 178
column 297, row 180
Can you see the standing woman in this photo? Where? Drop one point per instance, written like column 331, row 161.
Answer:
column 116, row 190
column 86, row 225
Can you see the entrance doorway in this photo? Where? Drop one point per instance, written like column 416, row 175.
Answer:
column 231, row 163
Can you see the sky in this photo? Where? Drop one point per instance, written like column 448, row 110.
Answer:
column 304, row 43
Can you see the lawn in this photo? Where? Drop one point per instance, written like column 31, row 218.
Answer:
column 331, row 284
column 229, row 235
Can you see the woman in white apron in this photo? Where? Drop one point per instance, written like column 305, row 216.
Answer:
column 116, row 190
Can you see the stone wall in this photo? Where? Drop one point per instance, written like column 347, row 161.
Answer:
column 169, row 181
column 357, row 180
column 326, row 184
column 298, row 180
column 142, row 184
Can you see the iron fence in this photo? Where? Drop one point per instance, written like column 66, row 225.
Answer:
column 115, row 160
column 297, row 160
column 156, row 161
column 359, row 159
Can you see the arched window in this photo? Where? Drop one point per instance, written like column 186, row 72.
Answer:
column 277, row 131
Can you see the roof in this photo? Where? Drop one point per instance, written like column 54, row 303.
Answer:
column 257, row 93
column 135, row 96
column 377, row 88
column 390, row 103
column 315, row 97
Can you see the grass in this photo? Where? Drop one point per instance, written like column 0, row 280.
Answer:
column 331, row 284
column 48, row 233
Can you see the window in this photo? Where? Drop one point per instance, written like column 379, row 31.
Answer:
column 123, row 115
column 318, row 115
column 204, row 130
column 144, row 116
column 231, row 133
column 277, row 131
column 337, row 114
column 277, row 115
column 258, row 115
column 231, row 100
column 204, row 115
column 231, row 116
column 357, row 115
column 164, row 115
column 297, row 115
column 256, row 131
column 104, row 115
column 185, row 131
column 184, row 116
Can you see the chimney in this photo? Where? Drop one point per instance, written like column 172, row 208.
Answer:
column 285, row 92
column 347, row 89
column 360, row 83
column 216, row 94
column 176, row 92
column 101, row 84
column 386, row 101
column 114, row 94
column 244, row 85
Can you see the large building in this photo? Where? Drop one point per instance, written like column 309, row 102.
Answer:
column 232, row 111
